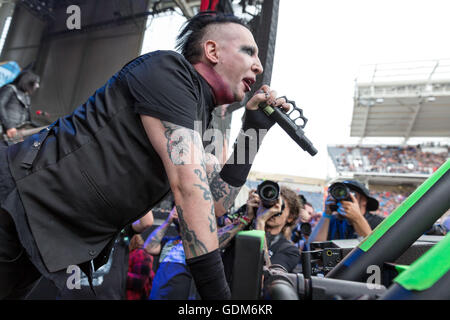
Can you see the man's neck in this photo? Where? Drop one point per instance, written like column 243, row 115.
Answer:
column 222, row 91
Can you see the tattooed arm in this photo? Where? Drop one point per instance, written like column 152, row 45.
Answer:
column 153, row 243
column 222, row 193
column 183, row 156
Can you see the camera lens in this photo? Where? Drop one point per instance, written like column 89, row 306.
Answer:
column 269, row 192
column 339, row 191
column 306, row 228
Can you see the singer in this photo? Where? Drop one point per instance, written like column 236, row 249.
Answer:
column 72, row 188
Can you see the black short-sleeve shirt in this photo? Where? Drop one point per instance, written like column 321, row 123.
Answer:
column 178, row 94
column 101, row 154
column 283, row 252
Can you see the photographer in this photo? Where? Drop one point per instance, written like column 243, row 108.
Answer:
column 299, row 232
column 274, row 220
column 349, row 218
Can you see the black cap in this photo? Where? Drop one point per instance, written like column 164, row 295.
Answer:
column 372, row 203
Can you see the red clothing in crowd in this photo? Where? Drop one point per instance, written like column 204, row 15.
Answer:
column 140, row 275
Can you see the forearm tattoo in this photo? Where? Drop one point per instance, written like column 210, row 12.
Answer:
column 204, row 188
column 207, row 196
column 155, row 238
column 190, row 240
column 225, row 234
column 222, row 192
column 212, row 220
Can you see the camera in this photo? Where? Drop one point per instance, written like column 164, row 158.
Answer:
column 299, row 233
column 269, row 193
column 340, row 192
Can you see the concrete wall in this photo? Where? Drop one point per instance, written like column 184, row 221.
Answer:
column 23, row 41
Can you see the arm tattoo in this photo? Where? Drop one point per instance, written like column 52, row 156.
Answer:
column 154, row 239
column 207, row 196
column 212, row 220
column 190, row 240
column 229, row 199
column 222, row 191
column 154, row 242
column 227, row 233
column 206, row 191
column 177, row 143
column 217, row 186
column 200, row 175
column 223, row 238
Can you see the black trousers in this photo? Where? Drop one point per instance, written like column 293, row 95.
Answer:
column 17, row 274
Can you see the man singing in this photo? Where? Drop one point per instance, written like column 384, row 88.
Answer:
column 66, row 192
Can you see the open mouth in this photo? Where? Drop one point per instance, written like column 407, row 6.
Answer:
column 248, row 83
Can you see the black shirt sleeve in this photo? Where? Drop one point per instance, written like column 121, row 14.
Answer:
column 164, row 86
column 285, row 254
column 373, row 219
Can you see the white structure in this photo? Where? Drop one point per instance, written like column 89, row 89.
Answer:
column 410, row 99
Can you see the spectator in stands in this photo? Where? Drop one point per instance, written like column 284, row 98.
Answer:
column 390, row 159
column 389, row 201
column 352, row 218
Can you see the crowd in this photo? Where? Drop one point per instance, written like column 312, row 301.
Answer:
column 391, row 159
column 389, row 201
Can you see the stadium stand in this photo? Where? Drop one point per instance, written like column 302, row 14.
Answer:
column 388, row 159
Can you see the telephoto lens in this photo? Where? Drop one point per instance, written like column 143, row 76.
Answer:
column 339, row 191
column 269, row 193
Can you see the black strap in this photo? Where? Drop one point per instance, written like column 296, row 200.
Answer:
column 32, row 153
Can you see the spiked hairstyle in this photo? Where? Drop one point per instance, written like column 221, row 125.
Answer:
column 190, row 37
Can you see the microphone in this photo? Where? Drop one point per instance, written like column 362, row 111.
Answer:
column 289, row 125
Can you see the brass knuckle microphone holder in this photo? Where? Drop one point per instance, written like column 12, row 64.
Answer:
column 289, row 122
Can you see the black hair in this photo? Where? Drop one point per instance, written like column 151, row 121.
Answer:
column 26, row 80
column 302, row 199
column 188, row 41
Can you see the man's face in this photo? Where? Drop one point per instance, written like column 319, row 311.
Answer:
column 306, row 213
column 361, row 200
column 238, row 61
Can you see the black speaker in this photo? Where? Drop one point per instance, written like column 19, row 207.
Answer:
column 248, row 265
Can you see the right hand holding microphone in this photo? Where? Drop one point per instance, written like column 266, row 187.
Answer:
column 255, row 118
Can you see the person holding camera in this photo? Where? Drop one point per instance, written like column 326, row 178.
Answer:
column 274, row 217
column 347, row 213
